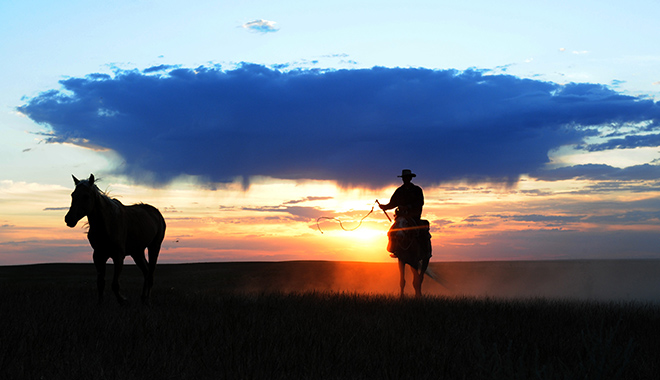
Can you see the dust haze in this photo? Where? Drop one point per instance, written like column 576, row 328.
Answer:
column 599, row 280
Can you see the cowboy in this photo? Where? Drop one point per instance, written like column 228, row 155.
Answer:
column 408, row 200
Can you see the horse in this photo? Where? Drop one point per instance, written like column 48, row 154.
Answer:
column 410, row 243
column 116, row 231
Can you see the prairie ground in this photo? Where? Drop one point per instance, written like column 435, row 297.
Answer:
column 333, row 320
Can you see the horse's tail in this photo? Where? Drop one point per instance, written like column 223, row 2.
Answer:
column 160, row 226
column 429, row 272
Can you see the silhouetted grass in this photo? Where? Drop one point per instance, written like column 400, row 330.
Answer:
column 54, row 330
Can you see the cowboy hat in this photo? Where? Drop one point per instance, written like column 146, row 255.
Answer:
column 407, row 173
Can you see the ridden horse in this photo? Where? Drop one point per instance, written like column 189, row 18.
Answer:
column 411, row 244
column 117, row 231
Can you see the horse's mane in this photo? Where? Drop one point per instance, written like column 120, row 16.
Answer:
column 113, row 202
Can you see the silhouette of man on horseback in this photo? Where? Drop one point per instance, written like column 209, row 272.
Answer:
column 408, row 200
column 409, row 236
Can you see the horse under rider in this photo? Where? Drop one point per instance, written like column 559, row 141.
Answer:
column 408, row 200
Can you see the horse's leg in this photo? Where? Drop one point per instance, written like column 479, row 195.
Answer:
column 420, row 268
column 402, row 274
column 141, row 262
column 99, row 263
column 423, row 265
column 118, row 266
column 153, row 259
column 417, row 281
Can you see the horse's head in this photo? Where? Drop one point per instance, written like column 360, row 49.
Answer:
column 401, row 226
column 82, row 200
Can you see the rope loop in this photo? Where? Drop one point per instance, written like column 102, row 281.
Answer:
column 342, row 224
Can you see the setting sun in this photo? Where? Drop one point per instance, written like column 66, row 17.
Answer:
column 366, row 234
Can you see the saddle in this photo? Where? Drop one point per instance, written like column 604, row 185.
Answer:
column 407, row 231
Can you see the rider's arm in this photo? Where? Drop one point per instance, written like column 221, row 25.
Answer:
column 394, row 202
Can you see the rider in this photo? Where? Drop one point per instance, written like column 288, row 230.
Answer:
column 408, row 200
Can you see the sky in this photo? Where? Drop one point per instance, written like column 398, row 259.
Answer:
column 256, row 127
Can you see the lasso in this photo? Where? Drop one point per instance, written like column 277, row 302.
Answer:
column 342, row 225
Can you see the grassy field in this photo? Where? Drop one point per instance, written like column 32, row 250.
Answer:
column 302, row 320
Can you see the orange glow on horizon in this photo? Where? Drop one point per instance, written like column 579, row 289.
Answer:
column 277, row 221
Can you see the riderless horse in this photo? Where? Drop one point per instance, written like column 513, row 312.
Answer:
column 117, row 231
column 410, row 243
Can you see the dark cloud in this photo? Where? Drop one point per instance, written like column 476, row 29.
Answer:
column 601, row 172
column 627, row 142
column 356, row 127
column 627, row 218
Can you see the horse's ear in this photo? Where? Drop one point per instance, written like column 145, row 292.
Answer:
column 91, row 179
column 75, row 180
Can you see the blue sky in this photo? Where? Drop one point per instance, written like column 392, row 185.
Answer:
column 345, row 92
column 586, row 42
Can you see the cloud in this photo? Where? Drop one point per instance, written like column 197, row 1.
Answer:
column 298, row 213
column 262, row 26
column 627, row 142
column 537, row 218
column 618, row 82
column 307, row 199
column 601, row 172
column 635, row 217
column 159, row 68
column 357, row 127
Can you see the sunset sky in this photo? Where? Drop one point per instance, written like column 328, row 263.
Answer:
column 533, row 127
